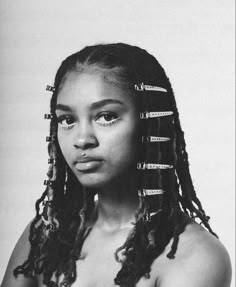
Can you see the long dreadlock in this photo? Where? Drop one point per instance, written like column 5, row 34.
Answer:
column 64, row 210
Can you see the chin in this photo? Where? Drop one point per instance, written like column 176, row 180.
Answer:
column 101, row 179
column 92, row 181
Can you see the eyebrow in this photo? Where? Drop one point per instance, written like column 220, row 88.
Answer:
column 102, row 103
column 93, row 106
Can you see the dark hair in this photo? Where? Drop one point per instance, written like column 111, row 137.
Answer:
column 69, row 208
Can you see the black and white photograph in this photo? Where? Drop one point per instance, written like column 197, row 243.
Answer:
column 117, row 146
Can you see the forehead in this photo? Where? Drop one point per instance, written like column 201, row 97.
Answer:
column 87, row 88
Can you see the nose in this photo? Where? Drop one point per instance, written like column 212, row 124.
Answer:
column 84, row 137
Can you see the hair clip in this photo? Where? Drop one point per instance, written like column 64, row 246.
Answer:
column 51, row 225
column 143, row 165
column 147, row 192
column 51, row 138
column 151, row 139
column 50, row 88
column 156, row 212
column 65, row 284
column 51, row 160
column 48, row 203
column 48, row 182
column 141, row 87
column 146, row 115
column 49, row 116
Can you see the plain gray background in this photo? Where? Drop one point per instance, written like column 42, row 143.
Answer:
column 193, row 40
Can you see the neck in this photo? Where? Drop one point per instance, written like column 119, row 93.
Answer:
column 117, row 204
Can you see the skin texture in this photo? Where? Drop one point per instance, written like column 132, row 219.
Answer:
column 201, row 261
column 107, row 133
column 101, row 120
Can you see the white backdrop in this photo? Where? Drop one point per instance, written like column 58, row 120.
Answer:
column 193, row 40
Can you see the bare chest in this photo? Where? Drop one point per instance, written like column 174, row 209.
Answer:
column 99, row 267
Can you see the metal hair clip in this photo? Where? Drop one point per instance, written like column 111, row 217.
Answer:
column 51, row 138
column 147, row 192
column 141, row 87
column 151, row 139
column 49, row 116
column 65, row 284
column 48, row 182
column 143, row 165
column 50, row 88
column 51, row 225
column 51, row 160
column 48, row 203
column 146, row 115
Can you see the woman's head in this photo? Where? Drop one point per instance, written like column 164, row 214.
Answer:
column 109, row 71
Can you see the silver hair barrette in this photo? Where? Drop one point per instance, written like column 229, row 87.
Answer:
column 49, row 116
column 143, row 165
column 50, row 138
column 51, row 225
column 146, row 115
column 151, row 139
column 50, row 88
column 48, row 182
column 142, row 87
column 147, row 192
column 51, row 160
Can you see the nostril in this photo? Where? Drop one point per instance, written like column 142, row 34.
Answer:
column 84, row 146
column 84, row 135
column 85, row 143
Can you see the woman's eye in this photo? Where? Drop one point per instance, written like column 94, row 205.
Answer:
column 107, row 119
column 66, row 122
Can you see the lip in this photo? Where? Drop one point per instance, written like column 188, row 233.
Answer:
column 87, row 164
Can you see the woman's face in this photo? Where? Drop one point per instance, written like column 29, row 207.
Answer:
column 97, row 129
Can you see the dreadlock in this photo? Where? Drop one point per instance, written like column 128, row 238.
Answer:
column 64, row 211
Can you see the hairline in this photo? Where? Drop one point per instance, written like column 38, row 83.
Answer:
column 111, row 76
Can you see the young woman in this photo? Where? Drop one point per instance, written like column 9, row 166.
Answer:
column 119, row 206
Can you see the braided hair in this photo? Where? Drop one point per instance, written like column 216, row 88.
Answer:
column 63, row 212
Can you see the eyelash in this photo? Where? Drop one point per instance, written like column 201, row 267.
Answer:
column 103, row 114
column 66, row 126
column 108, row 123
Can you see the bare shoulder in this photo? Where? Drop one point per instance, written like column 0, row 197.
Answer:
column 201, row 260
column 19, row 256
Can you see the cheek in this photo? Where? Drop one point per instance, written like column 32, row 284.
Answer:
column 122, row 145
column 64, row 146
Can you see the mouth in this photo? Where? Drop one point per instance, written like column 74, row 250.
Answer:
column 88, row 164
